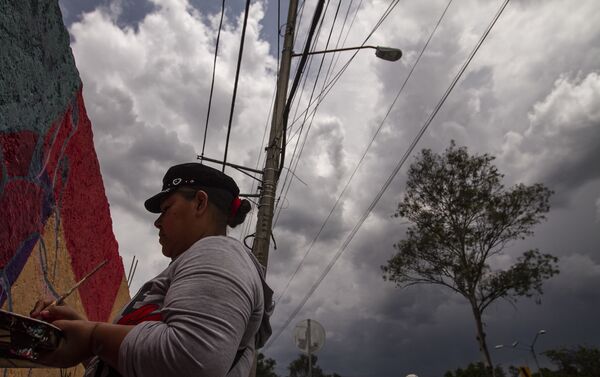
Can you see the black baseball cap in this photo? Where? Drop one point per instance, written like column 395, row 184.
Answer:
column 220, row 187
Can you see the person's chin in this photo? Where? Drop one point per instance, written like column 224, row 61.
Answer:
column 166, row 252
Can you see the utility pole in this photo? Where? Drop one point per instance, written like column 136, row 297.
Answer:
column 266, row 205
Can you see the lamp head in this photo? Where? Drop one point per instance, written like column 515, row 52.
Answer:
column 388, row 53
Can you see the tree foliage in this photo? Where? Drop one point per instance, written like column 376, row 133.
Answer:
column 474, row 370
column 299, row 368
column 265, row 367
column 463, row 216
column 581, row 361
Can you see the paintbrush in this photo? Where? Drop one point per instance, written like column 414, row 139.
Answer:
column 60, row 300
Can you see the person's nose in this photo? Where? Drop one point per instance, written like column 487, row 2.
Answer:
column 157, row 222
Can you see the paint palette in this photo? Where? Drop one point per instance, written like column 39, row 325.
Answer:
column 23, row 339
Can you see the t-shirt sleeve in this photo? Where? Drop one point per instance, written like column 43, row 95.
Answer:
column 206, row 310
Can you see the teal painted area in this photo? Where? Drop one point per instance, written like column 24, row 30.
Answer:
column 38, row 77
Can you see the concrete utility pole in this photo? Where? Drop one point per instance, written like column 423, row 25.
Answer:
column 266, row 206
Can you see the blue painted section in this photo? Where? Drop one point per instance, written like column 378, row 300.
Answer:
column 39, row 76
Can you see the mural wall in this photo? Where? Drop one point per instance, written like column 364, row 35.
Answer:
column 55, row 223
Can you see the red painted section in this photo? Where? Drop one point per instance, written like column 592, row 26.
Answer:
column 87, row 224
column 53, row 148
column 21, row 204
column 48, row 165
column 64, row 179
column 17, row 149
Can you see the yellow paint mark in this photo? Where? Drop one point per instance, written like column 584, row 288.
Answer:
column 121, row 299
column 31, row 286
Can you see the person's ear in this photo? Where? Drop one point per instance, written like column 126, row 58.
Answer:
column 202, row 199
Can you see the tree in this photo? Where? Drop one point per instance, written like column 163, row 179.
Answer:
column 462, row 216
column 574, row 362
column 265, row 367
column 474, row 370
column 299, row 368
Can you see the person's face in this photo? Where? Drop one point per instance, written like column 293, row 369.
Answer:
column 178, row 224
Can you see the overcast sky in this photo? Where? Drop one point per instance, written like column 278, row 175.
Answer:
column 530, row 97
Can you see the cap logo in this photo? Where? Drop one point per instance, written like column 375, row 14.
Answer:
column 176, row 181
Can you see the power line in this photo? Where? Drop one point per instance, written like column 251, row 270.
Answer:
column 261, row 153
column 393, row 175
column 299, row 71
column 289, row 173
column 408, row 76
column 299, row 21
column 335, row 54
column 339, row 74
column 212, row 82
column 295, row 162
column 321, row 97
column 237, row 77
column 258, row 159
column 337, row 57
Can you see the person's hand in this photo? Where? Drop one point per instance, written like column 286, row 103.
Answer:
column 74, row 348
column 43, row 312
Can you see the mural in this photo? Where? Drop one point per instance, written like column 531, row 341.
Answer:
column 55, row 223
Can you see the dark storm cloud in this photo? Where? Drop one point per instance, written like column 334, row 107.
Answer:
column 565, row 132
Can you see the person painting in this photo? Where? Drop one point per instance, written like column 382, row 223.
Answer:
column 204, row 315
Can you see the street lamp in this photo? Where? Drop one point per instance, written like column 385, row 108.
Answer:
column 530, row 348
column 385, row 53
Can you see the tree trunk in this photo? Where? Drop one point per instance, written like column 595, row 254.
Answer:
column 481, row 340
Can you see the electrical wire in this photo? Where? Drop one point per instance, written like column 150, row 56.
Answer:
column 258, row 160
column 321, row 97
column 330, row 85
column 289, row 173
column 337, row 55
column 261, row 153
column 392, row 175
column 212, row 82
column 237, row 77
column 297, row 26
column 339, row 74
column 408, row 76
column 294, row 161
column 299, row 71
column 305, row 79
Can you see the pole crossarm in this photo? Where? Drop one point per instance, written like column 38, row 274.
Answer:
column 235, row 166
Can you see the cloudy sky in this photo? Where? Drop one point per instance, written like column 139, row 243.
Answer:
column 531, row 97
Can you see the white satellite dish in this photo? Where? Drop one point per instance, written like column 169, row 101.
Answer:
column 309, row 336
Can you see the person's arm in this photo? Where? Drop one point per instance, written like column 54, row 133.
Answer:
column 106, row 339
column 84, row 339
column 205, row 314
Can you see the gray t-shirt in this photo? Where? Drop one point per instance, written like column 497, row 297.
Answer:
column 193, row 318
